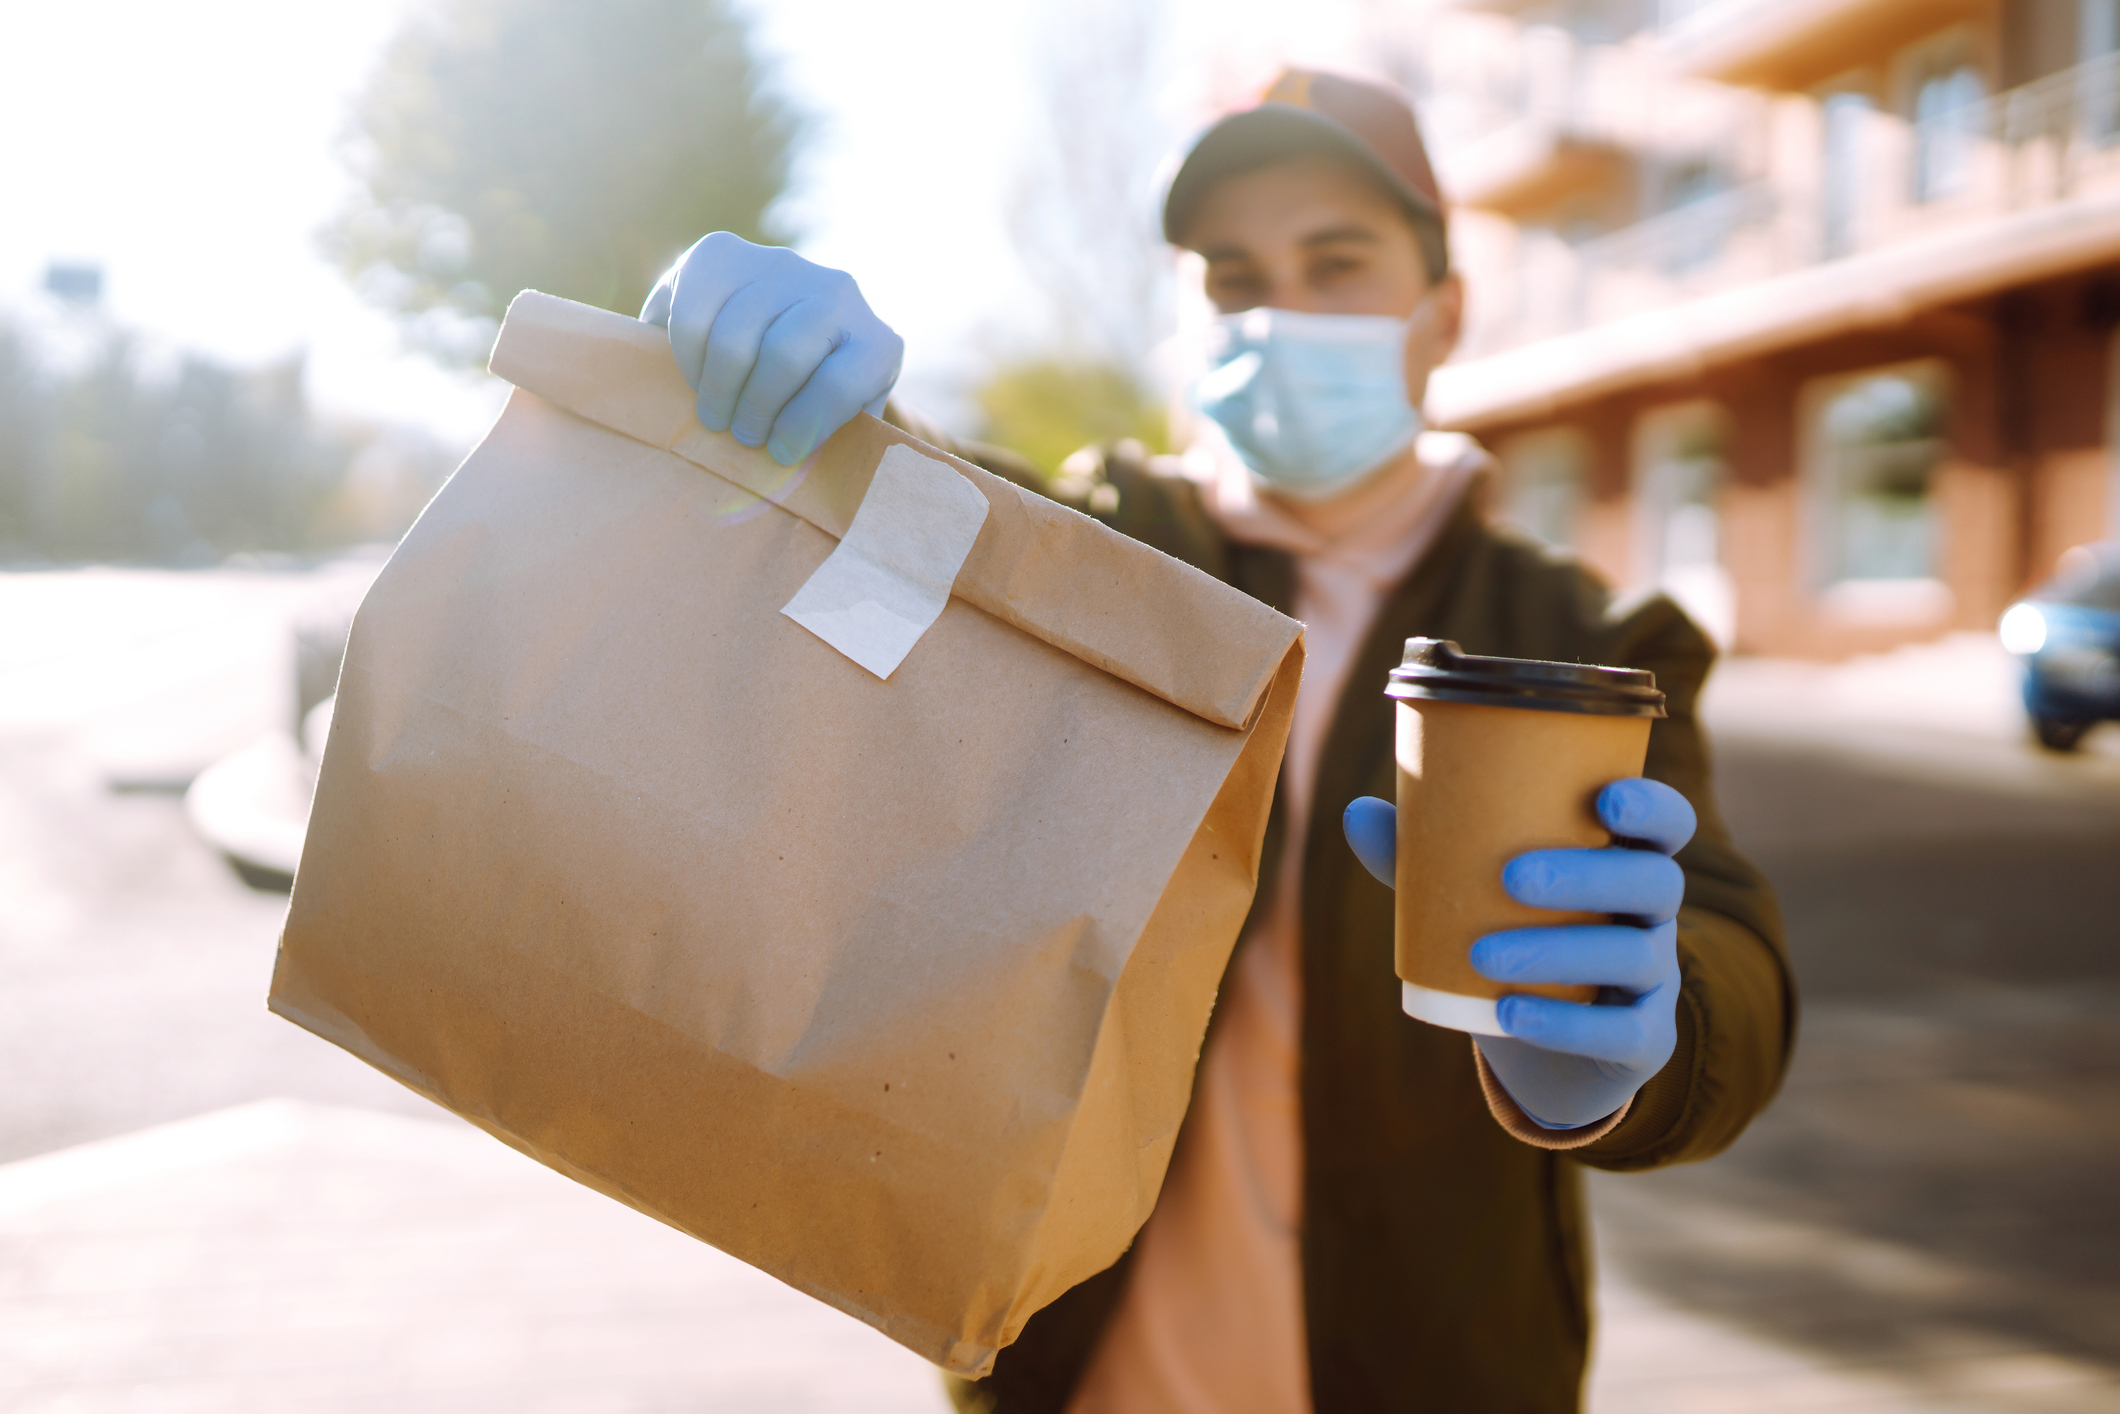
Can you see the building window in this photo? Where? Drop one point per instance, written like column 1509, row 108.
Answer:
column 1847, row 118
column 1947, row 125
column 2098, row 47
column 2099, row 29
column 1698, row 223
column 1679, row 471
column 1878, row 439
column 1543, row 474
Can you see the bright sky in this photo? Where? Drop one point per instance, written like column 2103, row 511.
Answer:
column 189, row 150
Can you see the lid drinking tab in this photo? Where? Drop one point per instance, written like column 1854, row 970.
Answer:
column 1436, row 670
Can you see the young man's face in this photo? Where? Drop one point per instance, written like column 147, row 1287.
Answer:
column 1318, row 235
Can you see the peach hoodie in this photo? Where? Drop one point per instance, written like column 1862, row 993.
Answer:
column 1212, row 1318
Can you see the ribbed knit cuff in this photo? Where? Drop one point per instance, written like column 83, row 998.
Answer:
column 1511, row 1117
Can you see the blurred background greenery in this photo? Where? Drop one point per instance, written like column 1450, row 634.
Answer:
column 113, row 449
column 1081, row 216
column 504, row 145
column 500, row 145
column 1047, row 408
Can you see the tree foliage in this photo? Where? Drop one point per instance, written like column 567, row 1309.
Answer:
column 504, row 145
column 1083, row 212
column 115, row 453
column 1049, row 408
column 1082, row 217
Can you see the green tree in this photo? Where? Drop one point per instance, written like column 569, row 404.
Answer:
column 1082, row 216
column 504, row 145
column 111, row 454
column 25, row 438
column 1049, row 408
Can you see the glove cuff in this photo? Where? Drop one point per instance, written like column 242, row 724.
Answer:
column 1518, row 1125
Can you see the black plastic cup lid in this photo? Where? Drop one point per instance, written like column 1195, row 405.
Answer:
column 1435, row 670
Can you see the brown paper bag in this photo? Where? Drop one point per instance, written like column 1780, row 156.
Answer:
column 890, row 986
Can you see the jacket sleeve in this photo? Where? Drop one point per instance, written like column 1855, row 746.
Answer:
column 1737, row 1003
column 985, row 455
column 1139, row 494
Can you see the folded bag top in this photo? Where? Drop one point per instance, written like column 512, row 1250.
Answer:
column 884, row 969
column 1039, row 566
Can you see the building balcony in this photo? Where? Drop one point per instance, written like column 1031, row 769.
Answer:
column 1792, row 45
column 1548, row 125
column 1900, row 217
column 1534, row 166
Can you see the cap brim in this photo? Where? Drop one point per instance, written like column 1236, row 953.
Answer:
column 1266, row 134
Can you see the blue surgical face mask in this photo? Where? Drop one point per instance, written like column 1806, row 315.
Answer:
column 1311, row 402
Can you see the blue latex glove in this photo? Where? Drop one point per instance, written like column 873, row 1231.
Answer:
column 1568, row 1064
column 782, row 352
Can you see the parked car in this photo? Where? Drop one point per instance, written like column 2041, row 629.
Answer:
column 2068, row 634
column 253, row 804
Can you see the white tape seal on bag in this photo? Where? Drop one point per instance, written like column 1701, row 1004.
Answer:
column 890, row 578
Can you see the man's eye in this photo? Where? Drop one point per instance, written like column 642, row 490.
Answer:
column 1334, row 268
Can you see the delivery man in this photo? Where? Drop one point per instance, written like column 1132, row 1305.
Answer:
column 1364, row 1213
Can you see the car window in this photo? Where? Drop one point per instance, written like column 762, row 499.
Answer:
column 2101, row 594
column 2089, row 577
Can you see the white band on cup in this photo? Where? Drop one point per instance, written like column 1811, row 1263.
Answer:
column 1452, row 1009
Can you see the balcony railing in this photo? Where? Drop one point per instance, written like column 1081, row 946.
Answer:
column 1877, row 180
column 1549, row 91
column 2075, row 114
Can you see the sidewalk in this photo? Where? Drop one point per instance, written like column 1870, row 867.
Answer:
column 1925, row 1212
column 1952, row 707
column 279, row 1256
column 1905, row 1229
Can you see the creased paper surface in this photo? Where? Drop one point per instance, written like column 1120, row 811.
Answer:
column 1052, row 573
column 889, row 579
column 891, row 989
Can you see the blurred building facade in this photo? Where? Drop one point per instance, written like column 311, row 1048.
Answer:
column 1804, row 310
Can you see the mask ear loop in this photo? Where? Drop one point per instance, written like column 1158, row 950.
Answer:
column 1422, row 315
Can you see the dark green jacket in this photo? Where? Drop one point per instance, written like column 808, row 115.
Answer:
column 1446, row 1264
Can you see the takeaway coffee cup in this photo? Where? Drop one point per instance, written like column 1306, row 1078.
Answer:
column 1497, row 756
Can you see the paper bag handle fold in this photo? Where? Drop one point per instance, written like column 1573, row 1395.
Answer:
column 1134, row 612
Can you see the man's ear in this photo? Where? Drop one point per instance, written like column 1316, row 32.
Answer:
column 1449, row 315
column 1432, row 334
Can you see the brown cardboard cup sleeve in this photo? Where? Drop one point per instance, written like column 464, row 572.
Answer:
column 835, row 863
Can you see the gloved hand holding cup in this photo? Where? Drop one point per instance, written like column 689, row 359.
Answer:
column 1519, row 920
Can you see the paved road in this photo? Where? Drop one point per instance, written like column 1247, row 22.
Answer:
column 134, row 963
column 1923, row 1222
column 1934, row 1188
